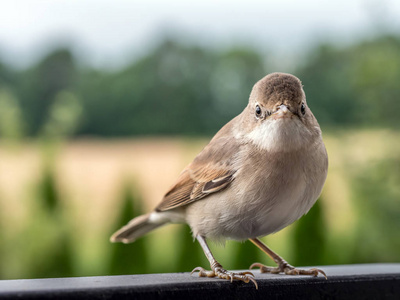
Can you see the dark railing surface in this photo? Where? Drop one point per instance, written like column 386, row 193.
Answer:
column 369, row 281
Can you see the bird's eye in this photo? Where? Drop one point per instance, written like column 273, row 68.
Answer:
column 258, row 111
column 303, row 109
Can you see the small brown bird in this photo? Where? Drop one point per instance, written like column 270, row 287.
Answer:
column 261, row 172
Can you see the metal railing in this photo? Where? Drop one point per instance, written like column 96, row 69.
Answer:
column 369, row 281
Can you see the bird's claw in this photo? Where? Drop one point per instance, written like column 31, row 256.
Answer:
column 288, row 270
column 224, row 274
column 313, row 271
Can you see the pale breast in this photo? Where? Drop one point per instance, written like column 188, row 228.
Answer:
column 268, row 193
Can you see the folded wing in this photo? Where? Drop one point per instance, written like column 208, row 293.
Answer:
column 210, row 172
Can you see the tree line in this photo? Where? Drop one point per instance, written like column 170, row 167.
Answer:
column 190, row 90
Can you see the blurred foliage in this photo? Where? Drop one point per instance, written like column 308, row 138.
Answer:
column 11, row 121
column 49, row 246
column 181, row 89
column 377, row 196
column 64, row 116
column 175, row 89
column 38, row 86
column 356, row 85
column 49, row 251
column 189, row 252
column 309, row 238
column 247, row 254
column 131, row 258
column 48, row 190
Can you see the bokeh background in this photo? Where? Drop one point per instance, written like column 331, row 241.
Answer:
column 102, row 103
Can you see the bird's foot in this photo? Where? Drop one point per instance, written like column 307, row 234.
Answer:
column 220, row 272
column 286, row 268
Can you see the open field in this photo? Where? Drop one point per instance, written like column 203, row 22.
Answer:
column 90, row 175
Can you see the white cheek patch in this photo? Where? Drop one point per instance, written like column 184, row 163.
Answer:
column 280, row 135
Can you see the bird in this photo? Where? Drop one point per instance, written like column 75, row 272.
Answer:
column 261, row 171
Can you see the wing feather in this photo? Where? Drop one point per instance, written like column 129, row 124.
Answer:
column 192, row 190
column 210, row 172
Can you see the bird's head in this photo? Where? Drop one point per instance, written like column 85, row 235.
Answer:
column 277, row 117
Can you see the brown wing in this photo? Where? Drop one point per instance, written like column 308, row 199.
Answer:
column 188, row 190
column 211, row 171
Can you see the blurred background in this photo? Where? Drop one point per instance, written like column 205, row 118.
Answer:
column 103, row 103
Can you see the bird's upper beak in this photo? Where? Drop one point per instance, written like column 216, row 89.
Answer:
column 282, row 112
column 283, row 109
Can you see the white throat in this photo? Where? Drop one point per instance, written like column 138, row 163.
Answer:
column 281, row 135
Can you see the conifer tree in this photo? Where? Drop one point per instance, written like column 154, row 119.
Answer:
column 129, row 258
column 309, row 242
column 190, row 255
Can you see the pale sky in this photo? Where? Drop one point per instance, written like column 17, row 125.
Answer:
column 106, row 32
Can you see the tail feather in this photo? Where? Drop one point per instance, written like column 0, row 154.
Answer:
column 134, row 229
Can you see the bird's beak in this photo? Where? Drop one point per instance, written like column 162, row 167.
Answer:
column 282, row 112
column 283, row 109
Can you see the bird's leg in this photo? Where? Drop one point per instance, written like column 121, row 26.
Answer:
column 216, row 268
column 283, row 266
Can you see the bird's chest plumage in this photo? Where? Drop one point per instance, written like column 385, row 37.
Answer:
column 277, row 192
column 268, row 193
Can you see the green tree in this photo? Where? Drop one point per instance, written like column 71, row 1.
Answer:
column 11, row 122
column 56, row 258
column 326, row 79
column 246, row 254
column 376, row 197
column 162, row 93
column 8, row 77
column 129, row 258
column 174, row 89
column 48, row 190
column 355, row 85
column 309, row 238
column 375, row 75
column 54, row 254
column 46, row 250
column 190, row 254
column 38, row 86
